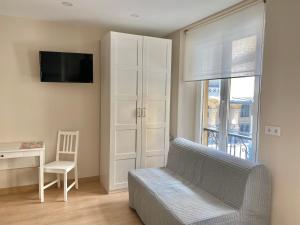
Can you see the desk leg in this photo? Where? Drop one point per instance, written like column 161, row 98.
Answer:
column 41, row 177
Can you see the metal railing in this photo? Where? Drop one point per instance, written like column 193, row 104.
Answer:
column 237, row 145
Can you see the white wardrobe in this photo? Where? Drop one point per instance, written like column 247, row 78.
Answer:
column 135, row 105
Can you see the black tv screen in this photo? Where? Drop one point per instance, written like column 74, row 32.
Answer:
column 66, row 67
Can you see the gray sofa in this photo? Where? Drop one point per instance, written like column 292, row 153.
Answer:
column 200, row 186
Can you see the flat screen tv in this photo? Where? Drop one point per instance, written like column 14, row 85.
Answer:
column 66, row 67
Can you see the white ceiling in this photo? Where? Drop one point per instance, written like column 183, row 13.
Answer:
column 156, row 17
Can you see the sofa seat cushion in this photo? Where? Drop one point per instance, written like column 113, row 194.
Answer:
column 184, row 201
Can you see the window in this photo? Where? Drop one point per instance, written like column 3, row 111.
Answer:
column 229, row 115
column 225, row 54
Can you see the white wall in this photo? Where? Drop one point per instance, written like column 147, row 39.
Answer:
column 280, row 106
column 31, row 110
column 183, row 94
column 174, row 83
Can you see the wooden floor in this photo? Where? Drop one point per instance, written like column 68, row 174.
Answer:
column 87, row 206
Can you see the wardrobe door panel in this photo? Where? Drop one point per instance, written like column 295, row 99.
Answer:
column 156, row 100
column 126, row 49
column 126, row 142
column 126, row 112
column 156, row 52
column 155, row 139
column 126, row 95
column 127, row 82
column 155, row 161
column 122, row 167
column 157, row 84
column 156, row 112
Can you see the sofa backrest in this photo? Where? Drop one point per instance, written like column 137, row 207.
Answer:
column 218, row 173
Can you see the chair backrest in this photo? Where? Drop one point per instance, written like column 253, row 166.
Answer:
column 67, row 143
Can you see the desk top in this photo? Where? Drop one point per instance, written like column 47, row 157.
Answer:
column 21, row 146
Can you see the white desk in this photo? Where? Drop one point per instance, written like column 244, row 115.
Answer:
column 15, row 150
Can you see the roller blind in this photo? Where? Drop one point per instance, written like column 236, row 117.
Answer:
column 231, row 46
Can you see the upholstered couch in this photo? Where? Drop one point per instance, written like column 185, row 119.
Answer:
column 200, row 186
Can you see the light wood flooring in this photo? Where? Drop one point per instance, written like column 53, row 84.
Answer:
column 87, row 206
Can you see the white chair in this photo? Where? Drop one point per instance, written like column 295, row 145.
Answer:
column 67, row 144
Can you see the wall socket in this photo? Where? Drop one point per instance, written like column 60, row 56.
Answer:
column 271, row 130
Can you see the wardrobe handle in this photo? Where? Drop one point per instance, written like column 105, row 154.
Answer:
column 138, row 112
column 143, row 112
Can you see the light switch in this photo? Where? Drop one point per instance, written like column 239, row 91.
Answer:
column 271, row 130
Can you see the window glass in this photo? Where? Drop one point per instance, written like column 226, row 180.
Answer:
column 229, row 115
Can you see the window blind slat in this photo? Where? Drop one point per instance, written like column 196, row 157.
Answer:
column 228, row 47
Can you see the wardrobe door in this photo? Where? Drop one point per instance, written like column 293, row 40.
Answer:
column 126, row 100
column 156, row 101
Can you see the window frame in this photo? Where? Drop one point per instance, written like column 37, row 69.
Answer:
column 224, row 112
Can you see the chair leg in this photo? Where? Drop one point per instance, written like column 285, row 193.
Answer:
column 76, row 178
column 41, row 185
column 58, row 180
column 65, row 187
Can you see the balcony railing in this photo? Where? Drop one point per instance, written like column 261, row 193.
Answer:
column 237, row 145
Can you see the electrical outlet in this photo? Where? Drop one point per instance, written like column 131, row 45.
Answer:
column 271, row 130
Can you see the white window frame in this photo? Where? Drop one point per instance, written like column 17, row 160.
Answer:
column 224, row 111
